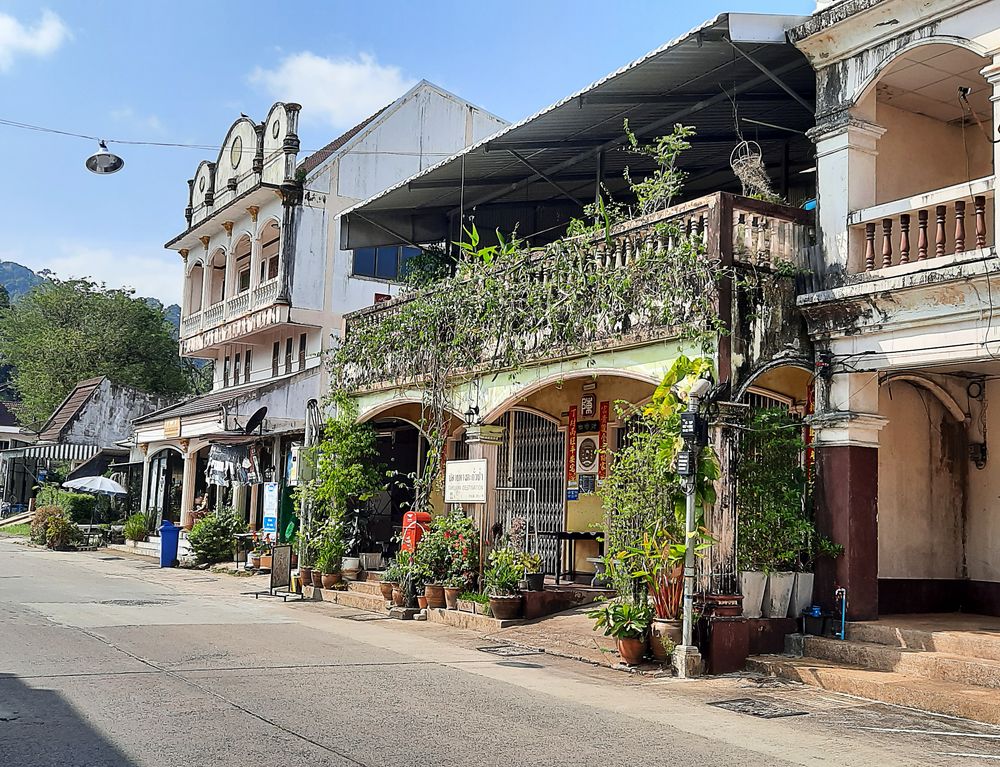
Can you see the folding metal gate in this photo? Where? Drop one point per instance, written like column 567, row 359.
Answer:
column 533, row 456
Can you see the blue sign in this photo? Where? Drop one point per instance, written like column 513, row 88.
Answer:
column 270, row 522
column 572, row 495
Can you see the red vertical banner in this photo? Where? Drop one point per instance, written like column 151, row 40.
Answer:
column 571, row 447
column 602, row 441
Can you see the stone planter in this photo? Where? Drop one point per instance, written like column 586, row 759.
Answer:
column 752, row 585
column 778, row 594
column 371, row 561
column 506, row 608
column 465, row 605
column 802, row 593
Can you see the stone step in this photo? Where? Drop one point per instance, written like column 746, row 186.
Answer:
column 941, row 666
column 979, row 703
column 356, row 599
column 365, row 587
column 982, row 643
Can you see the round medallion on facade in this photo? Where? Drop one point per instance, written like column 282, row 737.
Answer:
column 237, row 151
column 276, row 128
column 201, row 184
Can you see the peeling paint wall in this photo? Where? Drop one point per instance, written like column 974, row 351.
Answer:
column 107, row 417
column 983, row 526
column 922, row 468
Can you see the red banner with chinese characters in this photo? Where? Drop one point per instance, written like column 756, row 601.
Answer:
column 571, row 447
column 602, row 441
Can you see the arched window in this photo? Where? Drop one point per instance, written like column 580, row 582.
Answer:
column 195, row 286
column 217, row 277
column 270, row 241
column 241, row 265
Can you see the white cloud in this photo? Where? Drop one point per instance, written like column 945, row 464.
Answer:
column 42, row 39
column 130, row 117
column 340, row 91
column 151, row 271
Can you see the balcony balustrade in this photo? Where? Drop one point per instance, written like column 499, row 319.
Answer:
column 238, row 306
column 949, row 221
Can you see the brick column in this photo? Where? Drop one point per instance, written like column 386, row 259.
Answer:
column 847, row 492
column 484, row 442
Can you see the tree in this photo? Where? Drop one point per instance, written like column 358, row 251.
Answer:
column 63, row 332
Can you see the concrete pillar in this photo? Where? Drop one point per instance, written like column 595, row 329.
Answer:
column 845, row 166
column 992, row 75
column 255, row 261
column 187, row 487
column 847, row 431
column 484, row 443
column 144, row 488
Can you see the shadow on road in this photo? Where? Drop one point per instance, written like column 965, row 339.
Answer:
column 39, row 726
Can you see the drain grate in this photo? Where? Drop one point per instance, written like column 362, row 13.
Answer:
column 509, row 650
column 762, row 709
column 132, row 602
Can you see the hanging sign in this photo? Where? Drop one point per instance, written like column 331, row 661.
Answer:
column 586, row 454
column 571, row 446
column 465, row 481
column 269, row 524
column 602, row 455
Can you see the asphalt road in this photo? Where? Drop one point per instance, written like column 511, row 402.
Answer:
column 107, row 660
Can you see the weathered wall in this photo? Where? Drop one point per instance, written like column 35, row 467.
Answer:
column 107, row 417
column 983, row 522
column 922, row 468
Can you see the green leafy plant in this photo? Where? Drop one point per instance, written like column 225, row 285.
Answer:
column 136, row 527
column 61, row 532
column 212, row 539
column 394, row 572
column 531, row 563
column 622, row 619
column 80, row 507
column 40, row 523
column 504, row 572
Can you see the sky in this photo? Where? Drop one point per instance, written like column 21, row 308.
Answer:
column 182, row 71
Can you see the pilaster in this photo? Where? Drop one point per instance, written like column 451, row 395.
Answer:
column 484, row 443
column 992, row 75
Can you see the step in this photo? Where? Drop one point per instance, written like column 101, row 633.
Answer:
column 979, row 703
column 356, row 599
column 365, row 587
column 941, row 666
column 972, row 640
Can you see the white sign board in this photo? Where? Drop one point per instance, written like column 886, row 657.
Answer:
column 465, row 481
column 269, row 524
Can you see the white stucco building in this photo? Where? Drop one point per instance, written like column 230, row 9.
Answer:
column 266, row 283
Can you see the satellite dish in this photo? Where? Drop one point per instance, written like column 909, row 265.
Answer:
column 255, row 421
column 103, row 162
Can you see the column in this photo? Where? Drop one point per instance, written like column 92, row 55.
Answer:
column 188, row 482
column 846, row 491
column 484, row 442
column 845, row 166
column 206, row 278
column 291, row 197
column 144, row 488
column 992, row 75
column 253, row 210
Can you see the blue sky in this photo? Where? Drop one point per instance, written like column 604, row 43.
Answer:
column 182, row 71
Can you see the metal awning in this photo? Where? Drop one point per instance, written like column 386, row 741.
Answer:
column 734, row 75
column 58, row 451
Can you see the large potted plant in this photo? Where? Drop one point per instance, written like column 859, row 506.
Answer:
column 627, row 622
column 534, row 578
column 502, row 576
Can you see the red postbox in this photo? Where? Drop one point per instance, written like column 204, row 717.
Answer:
column 414, row 526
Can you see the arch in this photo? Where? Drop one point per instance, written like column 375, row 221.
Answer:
column 947, row 401
column 216, row 282
column 269, row 239
column 195, row 288
column 880, row 70
column 162, row 448
column 511, row 401
column 241, row 265
column 799, row 363
column 243, row 131
column 407, row 405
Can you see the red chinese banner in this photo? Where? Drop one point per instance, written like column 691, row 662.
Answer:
column 571, row 447
column 602, row 441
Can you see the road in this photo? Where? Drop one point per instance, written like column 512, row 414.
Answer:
column 106, row 660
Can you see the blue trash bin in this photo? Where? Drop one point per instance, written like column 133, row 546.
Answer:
column 170, row 536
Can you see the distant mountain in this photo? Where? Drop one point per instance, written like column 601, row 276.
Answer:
column 19, row 279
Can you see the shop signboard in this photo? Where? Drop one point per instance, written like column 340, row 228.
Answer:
column 269, row 524
column 465, row 481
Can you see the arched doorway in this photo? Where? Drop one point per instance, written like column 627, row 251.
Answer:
column 165, row 480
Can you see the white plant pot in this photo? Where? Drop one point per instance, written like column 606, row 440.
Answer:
column 350, row 563
column 778, row 594
column 802, row 594
column 752, row 586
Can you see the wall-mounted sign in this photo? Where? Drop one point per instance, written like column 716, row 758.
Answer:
column 586, row 454
column 572, row 494
column 465, row 481
column 588, row 427
column 269, row 524
column 602, row 457
column 588, row 405
column 588, row 484
column 571, row 446
column 172, row 427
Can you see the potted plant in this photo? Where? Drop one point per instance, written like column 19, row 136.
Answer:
column 627, row 623
column 328, row 563
column 453, row 586
column 390, row 580
column 534, row 578
column 502, row 576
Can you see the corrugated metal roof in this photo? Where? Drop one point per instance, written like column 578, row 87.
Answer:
column 698, row 79
column 69, row 409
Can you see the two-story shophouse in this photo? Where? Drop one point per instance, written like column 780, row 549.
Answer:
column 908, row 109
column 266, row 283
column 544, row 427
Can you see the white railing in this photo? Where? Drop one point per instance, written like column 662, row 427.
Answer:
column 954, row 219
column 260, row 297
column 191, row 324
column 265, row 293
column 213, row 315
column 238, row 305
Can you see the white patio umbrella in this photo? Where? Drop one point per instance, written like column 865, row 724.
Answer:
column 96, row 485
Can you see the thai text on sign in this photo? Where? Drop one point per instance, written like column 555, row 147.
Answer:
column 465, row 481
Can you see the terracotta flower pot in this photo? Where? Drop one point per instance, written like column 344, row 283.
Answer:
column 451, row 597
column 631, row 650
column 387, row 587
column 255, row 563
column 506, row 608
column 317, row 579
column 398, row 597
column 305, row 576
column 331, row 579
column 434, row 592
column 422, row 602
column 664, row 633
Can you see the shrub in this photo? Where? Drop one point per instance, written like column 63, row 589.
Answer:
column 211, row 538
column 40, row 523
column 61, row 533
column 505, row 570
column 80, row 507
column 136, row 528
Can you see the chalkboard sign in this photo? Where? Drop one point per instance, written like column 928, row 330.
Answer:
column 281, row 568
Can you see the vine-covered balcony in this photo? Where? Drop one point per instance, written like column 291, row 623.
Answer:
column 708, row 244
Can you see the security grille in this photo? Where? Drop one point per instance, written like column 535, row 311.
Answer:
column 533, row 456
